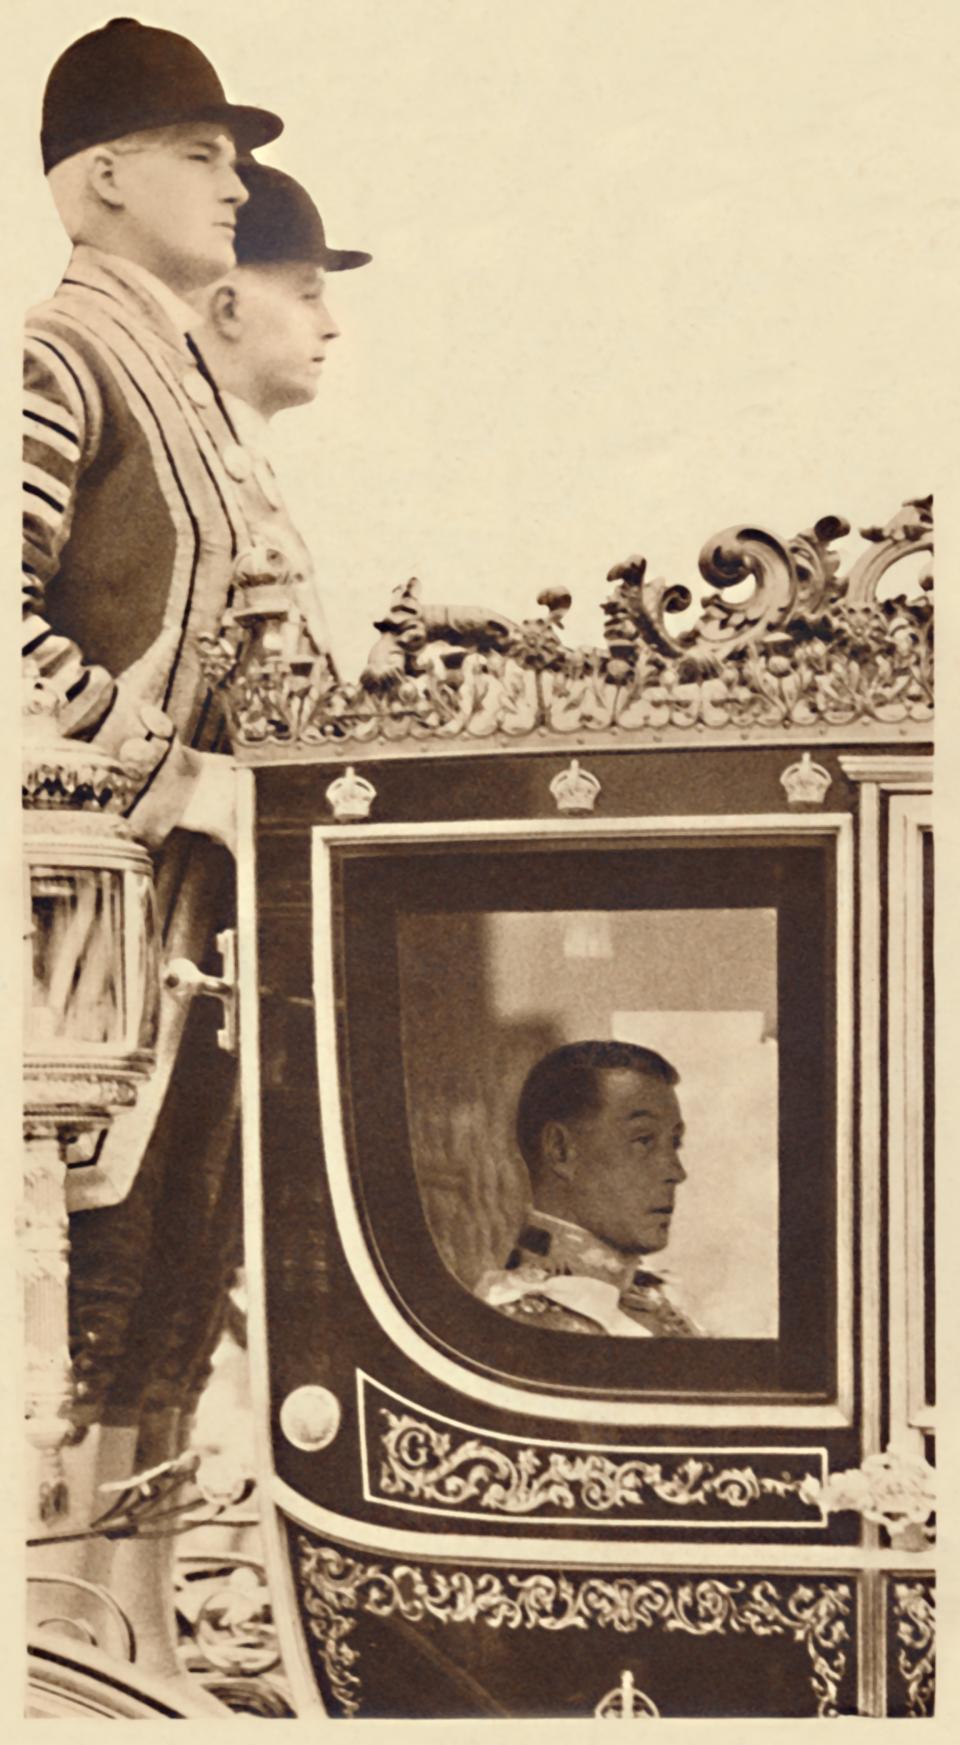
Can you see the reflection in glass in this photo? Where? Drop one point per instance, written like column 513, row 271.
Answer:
column 146, row 950
column 93, row 971
column 77, row 931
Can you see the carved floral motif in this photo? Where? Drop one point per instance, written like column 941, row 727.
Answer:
column 423, row 1462
column 913, row 1610
column 807, row 649
column 890, row 1489
column 338, row 1588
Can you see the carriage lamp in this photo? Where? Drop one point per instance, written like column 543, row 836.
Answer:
column 91, row 996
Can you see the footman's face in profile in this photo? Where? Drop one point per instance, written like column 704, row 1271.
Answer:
column 181, row 193
column 621, row 1162
column 288, row 328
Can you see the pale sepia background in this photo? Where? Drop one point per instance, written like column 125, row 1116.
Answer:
column 642, row 269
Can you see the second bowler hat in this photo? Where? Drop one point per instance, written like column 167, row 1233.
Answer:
column 279, row 222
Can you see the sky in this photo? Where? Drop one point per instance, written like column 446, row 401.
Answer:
column 640, row 272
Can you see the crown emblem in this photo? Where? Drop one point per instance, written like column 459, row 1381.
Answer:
column 350, row 797
column 575, row 790
column 627, row 1703
column 805, row 783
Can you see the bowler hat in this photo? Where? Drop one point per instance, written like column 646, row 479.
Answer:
column 279, row 222
column 129, row 77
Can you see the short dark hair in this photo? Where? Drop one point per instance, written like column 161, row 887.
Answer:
column 566, row 1083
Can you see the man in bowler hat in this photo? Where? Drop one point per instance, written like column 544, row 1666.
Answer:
column 265, row 335
column 133, row 521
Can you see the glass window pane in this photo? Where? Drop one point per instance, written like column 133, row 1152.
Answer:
column 77, row 956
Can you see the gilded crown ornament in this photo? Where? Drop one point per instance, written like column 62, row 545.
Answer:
column 626, row 1702
column 350, row 797
column 575, row 790
column 805, row 783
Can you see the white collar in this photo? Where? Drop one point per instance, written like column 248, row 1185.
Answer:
column 251, row 427
column 576, row 1250
column 180, row 313
column 591, row 1297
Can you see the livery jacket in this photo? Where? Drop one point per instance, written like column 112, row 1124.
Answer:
column 561, row 1277
column 138, row 497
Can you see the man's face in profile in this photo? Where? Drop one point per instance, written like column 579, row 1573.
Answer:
column 287, row 329
column 623, row 1165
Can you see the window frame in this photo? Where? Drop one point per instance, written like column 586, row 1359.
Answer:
column 329, row 844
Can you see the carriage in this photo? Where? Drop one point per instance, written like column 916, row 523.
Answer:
column 710, row 834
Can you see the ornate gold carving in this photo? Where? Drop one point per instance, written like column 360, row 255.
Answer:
column 915, row 1614
column 338, row 1588
column 420, row 1460
column 808, row 649
column 893, row 1490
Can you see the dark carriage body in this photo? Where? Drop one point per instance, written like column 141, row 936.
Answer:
column 469, row 1517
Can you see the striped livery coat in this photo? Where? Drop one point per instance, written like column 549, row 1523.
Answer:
column 132, row 523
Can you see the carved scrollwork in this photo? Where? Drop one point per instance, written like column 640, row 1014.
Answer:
column 422, row 1462
column 807, row 648
column 915, row 1619
column 890, row 1489
column 909, row 531
column 337, row 1589
column 736, row 555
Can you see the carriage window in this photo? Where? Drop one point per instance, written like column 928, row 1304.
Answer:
column 680, row 1178
column 591, row 1088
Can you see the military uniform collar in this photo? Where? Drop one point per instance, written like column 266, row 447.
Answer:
column 134, row 286
column 565, row 1249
